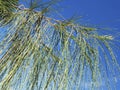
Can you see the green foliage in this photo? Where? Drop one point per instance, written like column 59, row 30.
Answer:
column 41, row 53
column 6, row 9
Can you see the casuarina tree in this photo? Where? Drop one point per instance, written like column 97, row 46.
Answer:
column 40, row 52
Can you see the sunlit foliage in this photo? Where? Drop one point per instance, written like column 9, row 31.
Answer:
column 41, row 53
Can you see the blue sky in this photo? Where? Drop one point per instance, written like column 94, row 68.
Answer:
column 102, row 12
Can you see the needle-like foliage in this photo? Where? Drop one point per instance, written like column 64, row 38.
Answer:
column 42, row 53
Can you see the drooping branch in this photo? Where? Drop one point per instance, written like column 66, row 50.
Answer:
column 40, row 52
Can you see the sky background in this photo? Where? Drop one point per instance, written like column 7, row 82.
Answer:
column 102, row 13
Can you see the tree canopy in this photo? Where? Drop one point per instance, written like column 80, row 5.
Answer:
column 40, row 52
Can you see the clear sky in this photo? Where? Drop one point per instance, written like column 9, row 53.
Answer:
column 104, row 13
